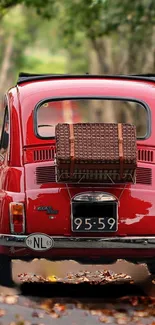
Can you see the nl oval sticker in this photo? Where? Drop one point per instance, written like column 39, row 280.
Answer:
column 39, row 242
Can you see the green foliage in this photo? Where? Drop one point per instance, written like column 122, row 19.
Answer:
column 93, row 17
column 97, row 18
column 45, row 8
column 55, row 36
column 43, row 63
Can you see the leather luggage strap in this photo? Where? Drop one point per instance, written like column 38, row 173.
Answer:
column 120, row 148
column 72, row 149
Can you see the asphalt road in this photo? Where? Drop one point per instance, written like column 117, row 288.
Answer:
column 78, row 294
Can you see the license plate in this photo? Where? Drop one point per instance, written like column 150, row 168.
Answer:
column 94, row 224
column 94, row 217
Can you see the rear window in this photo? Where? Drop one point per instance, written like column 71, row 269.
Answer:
column 51, row 113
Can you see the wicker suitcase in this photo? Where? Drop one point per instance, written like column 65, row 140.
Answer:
column 96, row 153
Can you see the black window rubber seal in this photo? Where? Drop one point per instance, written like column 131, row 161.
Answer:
column 56, row 99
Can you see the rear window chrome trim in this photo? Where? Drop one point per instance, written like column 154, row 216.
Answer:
column 56, row 99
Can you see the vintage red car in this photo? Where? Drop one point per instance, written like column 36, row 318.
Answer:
column 36, row 210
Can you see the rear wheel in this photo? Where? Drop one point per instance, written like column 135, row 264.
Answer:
column 6, row 271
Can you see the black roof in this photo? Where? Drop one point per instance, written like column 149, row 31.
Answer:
column 23, row 77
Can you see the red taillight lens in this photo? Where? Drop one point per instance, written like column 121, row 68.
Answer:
column 17, row 217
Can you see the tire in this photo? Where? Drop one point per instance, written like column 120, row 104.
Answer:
column 6, row 271
column 151, row 267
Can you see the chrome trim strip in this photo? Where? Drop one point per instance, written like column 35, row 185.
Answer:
column 93, row 194
column 83, row 242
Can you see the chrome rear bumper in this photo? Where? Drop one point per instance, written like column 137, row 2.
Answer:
column 83, row 242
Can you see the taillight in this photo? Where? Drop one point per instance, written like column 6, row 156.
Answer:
column 17, row 217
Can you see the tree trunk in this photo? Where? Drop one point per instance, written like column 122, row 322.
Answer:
column 6, row 63
column 100, row 59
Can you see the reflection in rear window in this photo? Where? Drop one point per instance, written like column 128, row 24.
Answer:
column 89, row 111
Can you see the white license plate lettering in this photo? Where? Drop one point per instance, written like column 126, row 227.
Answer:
column 78, row 222
column 101, row 223
column 88, row 224
column 111, row 222
column 94, row 224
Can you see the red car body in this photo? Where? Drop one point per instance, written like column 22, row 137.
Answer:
column 29, row 163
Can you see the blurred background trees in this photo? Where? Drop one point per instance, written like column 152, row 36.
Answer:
column 78, row 36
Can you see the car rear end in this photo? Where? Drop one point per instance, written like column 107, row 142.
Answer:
column 86, row 220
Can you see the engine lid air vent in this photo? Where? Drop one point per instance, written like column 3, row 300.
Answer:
column 44, row 154
column 39, row 154
column 145, row 155
column 45, row 174
column 144, row 176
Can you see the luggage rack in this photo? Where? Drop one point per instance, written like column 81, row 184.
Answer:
column 92, row 181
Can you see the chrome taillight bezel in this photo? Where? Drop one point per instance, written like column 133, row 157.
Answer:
column 12, row 227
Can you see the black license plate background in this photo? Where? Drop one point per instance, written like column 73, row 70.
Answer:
column 101, row 217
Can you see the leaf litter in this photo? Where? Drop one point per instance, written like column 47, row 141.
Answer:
column 98, row 277
column 125, row 310
column 122, row 311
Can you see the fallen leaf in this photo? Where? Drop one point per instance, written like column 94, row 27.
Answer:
column 104, row 319
column 51, row 278
column 96, row 312
column 141, row 313
column 134, row 301
column 2, row 312
column 108, row 312
column 121, row 320
column 2, row 299
column 35, row 314
column 53, row 314
column 11, row 300
column 60, row 308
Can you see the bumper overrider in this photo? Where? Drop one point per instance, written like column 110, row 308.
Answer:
column 83, row 242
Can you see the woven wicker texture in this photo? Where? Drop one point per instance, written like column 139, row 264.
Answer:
column 96, row 152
